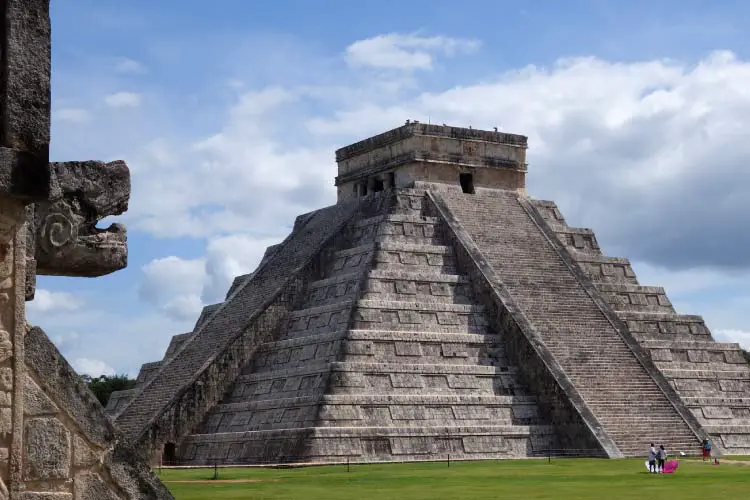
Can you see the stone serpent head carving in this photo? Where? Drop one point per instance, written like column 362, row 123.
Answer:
column 62, row 237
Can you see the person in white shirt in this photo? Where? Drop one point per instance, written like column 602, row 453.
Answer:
column 652, row 458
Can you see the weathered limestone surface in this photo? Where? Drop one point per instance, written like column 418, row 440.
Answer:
column 176, row 399
column 711, row 378
column 55, row 439
column 387, row 357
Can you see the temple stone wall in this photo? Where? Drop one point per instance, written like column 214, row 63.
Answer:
column 429, row 153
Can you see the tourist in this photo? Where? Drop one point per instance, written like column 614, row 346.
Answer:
column 652, row 458
column 706, row 449
column 661, row 458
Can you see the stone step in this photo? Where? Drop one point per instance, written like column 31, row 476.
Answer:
column 406, row 228
column 710, row 374
column 397, row 218
column 364, row 377
column 338, row 288
column 320, row 319
column 369, row 443
column 664, row 323
column 397, row 286
column 550, row 212
column 355, row 259
column 604, row 269
column 400, row 256
column 420, row 315
column 400, row 346
column 627, row 297
column 701, row 387
column 392, row 432
column 719, row 366
column 578, row 240
column 415, row 350
column 697, row 345
column 729, row 429
column 739, row 401
column 364, row 410
column 671, row 337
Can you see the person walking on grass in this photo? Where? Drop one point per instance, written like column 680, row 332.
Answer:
column 652, row 458
column 661, row 458
column 706, row 449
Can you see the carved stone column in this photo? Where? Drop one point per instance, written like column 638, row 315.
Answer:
column 12, row 329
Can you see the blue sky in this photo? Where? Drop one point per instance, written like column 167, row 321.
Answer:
column 229, row 115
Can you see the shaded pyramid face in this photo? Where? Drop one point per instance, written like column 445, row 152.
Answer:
column 388, row 357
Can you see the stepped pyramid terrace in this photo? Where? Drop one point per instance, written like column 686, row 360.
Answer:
column 437, row 310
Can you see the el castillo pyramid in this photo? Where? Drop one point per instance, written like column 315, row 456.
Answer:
column 437, row 310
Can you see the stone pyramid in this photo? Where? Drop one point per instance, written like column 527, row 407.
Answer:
column 437, row 311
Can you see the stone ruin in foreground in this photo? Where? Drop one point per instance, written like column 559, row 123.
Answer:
column 56, row 441
column 437, row 311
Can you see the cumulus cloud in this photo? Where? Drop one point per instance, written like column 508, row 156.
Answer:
column 650, row 154
column 174, row 285
column 404, row 52
column 228, row 257
column 123, row 100
column 71, row 115
column 181, row 287
column 246, row 175
column 92, row 367
column 46, row 301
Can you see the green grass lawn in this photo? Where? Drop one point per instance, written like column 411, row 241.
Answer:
column 523, row 479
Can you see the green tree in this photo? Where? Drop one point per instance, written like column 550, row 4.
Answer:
column 105, row 385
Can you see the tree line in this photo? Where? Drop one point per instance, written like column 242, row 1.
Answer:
column 104, row 385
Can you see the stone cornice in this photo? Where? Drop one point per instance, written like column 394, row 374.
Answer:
column 423, row 129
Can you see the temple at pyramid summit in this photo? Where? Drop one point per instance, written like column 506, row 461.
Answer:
column 436, row 311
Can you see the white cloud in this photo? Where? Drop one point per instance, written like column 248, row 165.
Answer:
column 71, row 115
column 123, row 100
column 180, row 288
column 170, row 277
column 229, row 257
column 46, row 301
column 245, row 175
column 92, row 367
column 404, row 52
column 129, row 66
column 184, row 307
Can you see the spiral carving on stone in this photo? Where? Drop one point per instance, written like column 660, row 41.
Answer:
column 57, row 231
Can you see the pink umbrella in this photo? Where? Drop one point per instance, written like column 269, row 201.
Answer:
column 671, row 466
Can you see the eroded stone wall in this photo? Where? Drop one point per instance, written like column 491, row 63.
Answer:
column 12, row 325
column 55, row 440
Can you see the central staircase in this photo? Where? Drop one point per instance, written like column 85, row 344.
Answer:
column 625, row 399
